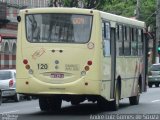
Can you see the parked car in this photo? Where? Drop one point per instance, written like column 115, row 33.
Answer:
column 154, row 75
column 8, row 84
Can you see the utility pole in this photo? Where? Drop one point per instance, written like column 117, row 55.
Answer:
column 158, row 30
column 80, row 4
column 138, row 10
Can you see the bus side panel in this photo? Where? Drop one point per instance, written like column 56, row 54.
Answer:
column 106, row 78
column 129, row 75
column 120, row 71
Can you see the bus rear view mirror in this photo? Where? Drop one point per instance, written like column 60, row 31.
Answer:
column 149, row 35
column 19, row 18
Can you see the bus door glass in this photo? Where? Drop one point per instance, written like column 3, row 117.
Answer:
column 106, row 39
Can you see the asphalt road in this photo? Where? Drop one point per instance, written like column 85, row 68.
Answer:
column 29, row 110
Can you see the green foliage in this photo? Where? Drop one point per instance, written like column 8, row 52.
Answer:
column 96, row 4
column 66, row 3
column 127, row 8
column 70, row 3
column 121, row 8
column 148, row 9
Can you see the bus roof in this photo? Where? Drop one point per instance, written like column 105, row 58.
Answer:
column 122, row 20
column 104, row 15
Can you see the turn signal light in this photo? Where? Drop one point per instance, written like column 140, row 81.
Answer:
column 27, row 67
column 86, row 68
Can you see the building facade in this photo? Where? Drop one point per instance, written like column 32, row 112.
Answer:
column 9, row 10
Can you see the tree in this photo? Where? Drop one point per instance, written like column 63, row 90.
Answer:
column 90, row 4
column 127, row 8
column 96, row 4
column 148, row 10
column 55, row 3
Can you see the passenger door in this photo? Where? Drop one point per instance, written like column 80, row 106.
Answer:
column 106, row 66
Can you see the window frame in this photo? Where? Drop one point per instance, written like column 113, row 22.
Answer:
column 89, row 37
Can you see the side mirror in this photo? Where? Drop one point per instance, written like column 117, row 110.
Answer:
column 19, row 18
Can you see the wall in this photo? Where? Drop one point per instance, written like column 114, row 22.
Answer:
column 8, row 53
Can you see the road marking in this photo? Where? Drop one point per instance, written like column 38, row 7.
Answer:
column 155, row 100
column 10, row 112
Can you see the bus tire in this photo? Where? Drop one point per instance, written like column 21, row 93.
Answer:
column 43, row 104
column 50, row 103
column 134, row 100
column 114, row 105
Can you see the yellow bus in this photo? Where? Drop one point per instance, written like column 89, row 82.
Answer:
column 75, row 54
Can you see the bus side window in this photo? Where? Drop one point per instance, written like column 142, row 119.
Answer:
column 106, row 38
column 134, row 42
column 127, row 49
column 119, row 40
column 140, row 40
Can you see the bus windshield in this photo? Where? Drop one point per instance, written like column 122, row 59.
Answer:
column 58, row 28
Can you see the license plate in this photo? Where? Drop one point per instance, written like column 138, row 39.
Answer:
column 57, row 75
column 7, row 93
